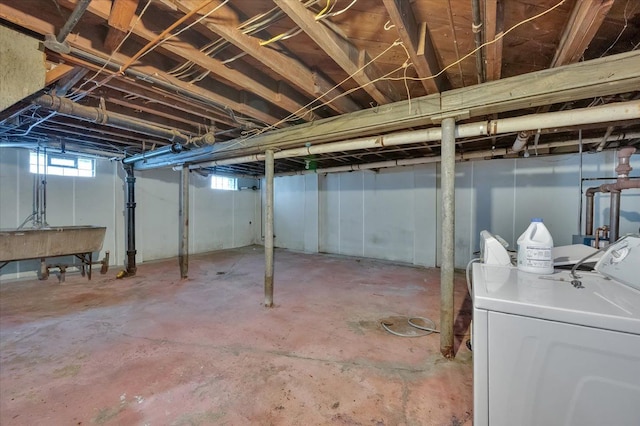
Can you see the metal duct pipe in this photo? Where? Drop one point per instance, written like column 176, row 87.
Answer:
column 173, row 148
column 619, row 111
column 57, row 43
column 97, row 115
column 55, row 147
column 476, row 27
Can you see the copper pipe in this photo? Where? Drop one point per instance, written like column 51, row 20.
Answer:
column 623, row 182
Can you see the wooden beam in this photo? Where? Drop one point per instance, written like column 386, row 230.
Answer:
column 288, row 68
column 152, row 94
column 166, row 115
column 417, row 40
column 343, row 52
column 599, row 77
column 585, row 20
column 262, row 86
column 95, row 133
column 122, row 12
column 494, row 26
column 56, row 73
column 222, row 96
column 164, row 100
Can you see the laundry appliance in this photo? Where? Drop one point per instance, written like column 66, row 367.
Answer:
column 557, row 349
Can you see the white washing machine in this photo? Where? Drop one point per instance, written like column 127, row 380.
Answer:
column 548, row 353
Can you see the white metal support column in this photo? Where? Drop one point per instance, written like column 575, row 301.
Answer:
column 268, row 230
column 448, row 163
column 183, row 213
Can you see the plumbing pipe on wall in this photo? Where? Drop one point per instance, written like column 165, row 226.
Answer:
column 623, row 182
column 130, row 216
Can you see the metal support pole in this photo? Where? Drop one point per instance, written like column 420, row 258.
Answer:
column 130, row 217
column 448, row 164
column 268, row 232
column 183, row 254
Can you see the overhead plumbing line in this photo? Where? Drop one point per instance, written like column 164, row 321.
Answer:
column 601, row 114
column 67, row 107
column 466, row 156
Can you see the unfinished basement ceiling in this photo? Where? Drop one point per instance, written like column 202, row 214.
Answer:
column 241, row 68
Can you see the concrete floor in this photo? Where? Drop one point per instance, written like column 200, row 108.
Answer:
column 155, row 350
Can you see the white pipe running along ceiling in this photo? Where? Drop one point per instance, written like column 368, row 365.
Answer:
column 606, row 113
column 459, row 157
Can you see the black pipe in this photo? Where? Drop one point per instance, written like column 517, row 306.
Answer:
column 131, row 267
column 58, row 43
column 477, row 31
column 77, row 13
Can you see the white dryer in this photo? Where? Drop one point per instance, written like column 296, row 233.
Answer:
column 548, row 353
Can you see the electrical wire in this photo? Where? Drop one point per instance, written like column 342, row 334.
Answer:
column 280, row 37
column 319, row 97
column 386, row 76
column 468, row 275
column 324, row 14
column 340, row 12
column 626, row 23
column 92, row 78
column 323, row 11
column 428, row 329
column 488, row 43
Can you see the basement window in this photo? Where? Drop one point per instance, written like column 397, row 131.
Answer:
column 61, row 165
column 224, row 183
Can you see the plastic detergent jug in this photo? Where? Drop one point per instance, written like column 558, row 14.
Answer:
column 535, row 249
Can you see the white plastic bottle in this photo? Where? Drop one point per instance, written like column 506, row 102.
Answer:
column 535, row 249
